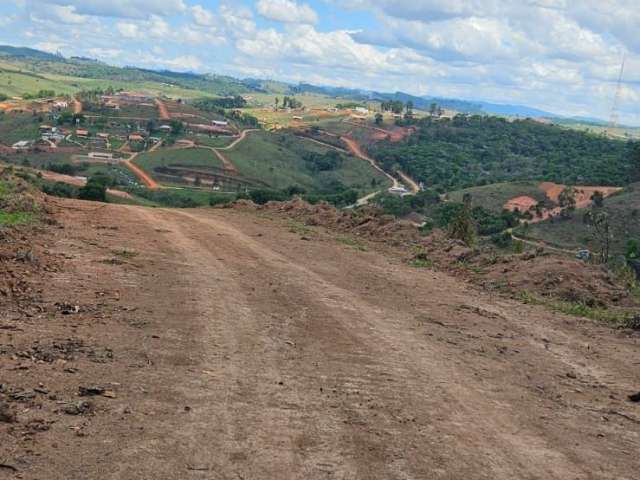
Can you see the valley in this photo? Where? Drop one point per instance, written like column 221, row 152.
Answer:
column 210, row 277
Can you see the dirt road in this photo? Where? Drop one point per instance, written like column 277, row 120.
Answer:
column 163, row 111
column 143, row 176
column 241, row 137
column 357, row 151
column 241, row 350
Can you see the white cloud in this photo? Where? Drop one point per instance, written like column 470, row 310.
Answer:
column 287, row 11
column 121, row 8
column 128, row 30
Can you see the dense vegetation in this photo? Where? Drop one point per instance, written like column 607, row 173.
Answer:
column 213, row 104
column 469, row 151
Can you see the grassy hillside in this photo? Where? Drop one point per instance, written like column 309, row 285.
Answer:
column 493, row 197
column 190, row 156
column 278, row 160
column 624, row 214
column 27, row 71
column 471, row 151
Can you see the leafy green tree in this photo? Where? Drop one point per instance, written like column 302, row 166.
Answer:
column 379, row 119
column 633, row 250
column 177, row 127
column 462, row 228
column 95, row 189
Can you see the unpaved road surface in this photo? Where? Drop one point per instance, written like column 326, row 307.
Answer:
column 243, row 350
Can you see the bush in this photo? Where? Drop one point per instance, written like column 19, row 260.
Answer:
column 60, row 189
column 502, row 240
column 62, row 168
column 263, row 196
column 95, row 189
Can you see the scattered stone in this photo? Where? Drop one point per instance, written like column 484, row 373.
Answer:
column 572, row 375
column 23, row 395
column 67, row 308
column 78, row 408
column 6, row 414
column 91, row 391
column 635, row 398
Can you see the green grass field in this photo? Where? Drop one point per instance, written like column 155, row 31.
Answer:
column 493, row 197
column 16, row 80
column 207, row 141
column 278, row 160
column 624, row 214
column 18, row 126
column 186, row 156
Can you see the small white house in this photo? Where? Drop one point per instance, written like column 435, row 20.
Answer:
column 220, row 123
column 21, row 145
column 398, row 191
column 362, row 110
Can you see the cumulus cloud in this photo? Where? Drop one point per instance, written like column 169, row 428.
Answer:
column 287, row 11
column 559, row 55
column 120, row 8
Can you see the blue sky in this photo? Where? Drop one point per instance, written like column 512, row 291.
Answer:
column 559, row 55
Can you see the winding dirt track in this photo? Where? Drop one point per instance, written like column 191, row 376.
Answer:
column 309, row 359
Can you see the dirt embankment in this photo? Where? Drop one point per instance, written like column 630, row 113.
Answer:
column 537, row 271
column 230, row 343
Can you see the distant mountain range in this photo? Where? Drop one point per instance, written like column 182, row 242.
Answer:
column 223, row 85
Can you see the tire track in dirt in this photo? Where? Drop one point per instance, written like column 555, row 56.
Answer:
column 377, row 374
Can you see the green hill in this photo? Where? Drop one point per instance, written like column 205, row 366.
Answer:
column 470, row 151
column 24, row 70
column 283, row 160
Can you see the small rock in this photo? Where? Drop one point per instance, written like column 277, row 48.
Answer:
column 635, row 398
column 91, row 390
column 78, row 408
column 571, row 375
column 23, row 396
column 6, row 414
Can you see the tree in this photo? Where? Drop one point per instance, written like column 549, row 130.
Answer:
column 567, row 201
column 277, row 102
column 598, row 199
column 176, row 127
column 409, row 107
column 95, row 189
column 462, row 228
column 433, row 109
column 633, row 250
column 379, row 119
column 599, row 222
column 635, row 162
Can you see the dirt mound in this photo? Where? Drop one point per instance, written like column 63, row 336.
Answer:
column 565, row 279
column 535, row 272
column 368, row 222
column 18, row 195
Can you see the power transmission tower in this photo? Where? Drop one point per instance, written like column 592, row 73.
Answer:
column 615, row 115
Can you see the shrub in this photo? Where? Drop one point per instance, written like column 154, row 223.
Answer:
column 94, row 190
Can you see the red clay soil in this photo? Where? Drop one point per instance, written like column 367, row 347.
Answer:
column 149, row 343
column 163, row 112
column 141, row 174
column 522, row 203
column 552, row 191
